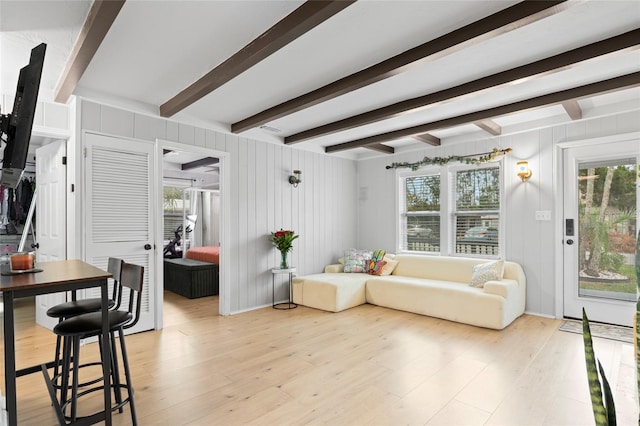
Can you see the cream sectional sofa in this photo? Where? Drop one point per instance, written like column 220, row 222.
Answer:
column 436, row 286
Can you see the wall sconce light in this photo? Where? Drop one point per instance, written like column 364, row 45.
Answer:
column 295, row 180
column 524, row 172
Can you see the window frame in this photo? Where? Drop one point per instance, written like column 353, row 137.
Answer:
column 401, row 208
column 453, row 212
column 448, row 211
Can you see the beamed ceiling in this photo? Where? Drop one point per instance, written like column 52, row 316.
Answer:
column 351, row 78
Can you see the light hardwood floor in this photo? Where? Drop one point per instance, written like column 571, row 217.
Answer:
column 367, row 365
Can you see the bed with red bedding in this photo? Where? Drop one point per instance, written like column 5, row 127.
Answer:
column 209, row 254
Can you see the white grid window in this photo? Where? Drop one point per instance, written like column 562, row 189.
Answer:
column 420, row 213
column 476, row 211
column 451, row 210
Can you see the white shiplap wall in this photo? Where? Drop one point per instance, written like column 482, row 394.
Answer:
column 531, row 243
column 323, row 209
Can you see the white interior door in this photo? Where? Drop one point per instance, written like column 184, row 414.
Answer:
column 51, row 235
column 119, row 219
column 600, row 225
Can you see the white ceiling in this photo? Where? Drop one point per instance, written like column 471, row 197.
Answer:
column 155, row 49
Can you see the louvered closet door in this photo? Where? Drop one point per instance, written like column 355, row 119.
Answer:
column 119, row 216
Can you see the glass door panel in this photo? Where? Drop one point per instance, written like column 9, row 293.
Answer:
column 600, row 226
column 607, row 229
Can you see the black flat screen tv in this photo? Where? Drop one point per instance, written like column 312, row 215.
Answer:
column 17, row 125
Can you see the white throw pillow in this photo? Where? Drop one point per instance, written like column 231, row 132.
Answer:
column 388, row 268
column 486, row 272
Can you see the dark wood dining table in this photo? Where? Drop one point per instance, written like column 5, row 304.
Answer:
column 56, row 276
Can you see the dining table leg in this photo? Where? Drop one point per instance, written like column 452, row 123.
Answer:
column 10, row 359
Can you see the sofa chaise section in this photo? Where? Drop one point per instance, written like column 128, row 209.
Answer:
column 332, row 292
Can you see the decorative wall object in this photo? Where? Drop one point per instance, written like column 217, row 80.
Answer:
column 295, row 180
column 483, row 157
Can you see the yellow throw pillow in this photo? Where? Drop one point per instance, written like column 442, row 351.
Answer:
column 375, row 267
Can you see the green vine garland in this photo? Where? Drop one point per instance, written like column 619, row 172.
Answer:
column 440, row 161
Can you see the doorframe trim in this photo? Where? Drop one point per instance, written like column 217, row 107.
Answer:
column 82, row 188
column 558, row 167
column 224, row 304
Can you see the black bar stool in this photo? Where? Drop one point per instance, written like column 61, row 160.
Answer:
column 89, row 325
column 74, row 307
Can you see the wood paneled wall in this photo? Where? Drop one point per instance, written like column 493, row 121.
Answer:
column 531, row 243
column 322, row 209
column 343, row 203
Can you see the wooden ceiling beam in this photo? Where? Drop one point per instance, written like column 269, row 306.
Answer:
column 539, row 68
column 489, row 126
column 612, row 84
column 99, row 20
column 492, row 26
column 292, row 26
column 207, row 161
column 572, row 107
column 428, row 139
column 386, row 149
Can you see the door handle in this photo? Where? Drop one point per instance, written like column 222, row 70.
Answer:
column 570, row 241
column 147, row 246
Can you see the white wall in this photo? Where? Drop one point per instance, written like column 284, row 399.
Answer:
column 322, row 209
column 50, row 119
column 529, row 242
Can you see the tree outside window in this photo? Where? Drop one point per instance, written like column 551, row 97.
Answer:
column 477, row 211
column 607, row 229
column 421, row 218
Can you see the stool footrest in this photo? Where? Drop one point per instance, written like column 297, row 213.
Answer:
column 88, row 420
column 80, row 385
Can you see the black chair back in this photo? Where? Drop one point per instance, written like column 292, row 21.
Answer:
column 132, row 277
column 114, row 267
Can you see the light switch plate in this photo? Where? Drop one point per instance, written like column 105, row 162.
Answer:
column 543, row 215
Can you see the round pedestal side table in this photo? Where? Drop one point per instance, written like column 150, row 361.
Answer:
column 283, row 305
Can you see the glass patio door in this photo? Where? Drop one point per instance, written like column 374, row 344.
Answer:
column 600, row 228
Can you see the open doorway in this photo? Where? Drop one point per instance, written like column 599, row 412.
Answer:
column 16, row 203
column 190, row 227
column 18, row 228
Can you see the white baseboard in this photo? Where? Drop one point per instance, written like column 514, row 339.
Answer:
column 241, row 311
column 537, row 314
column 268, row 305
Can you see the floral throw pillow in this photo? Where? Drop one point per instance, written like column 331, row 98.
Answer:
column 486, row 272
column 375, row 264
column 355, row 261
column 375, row 267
